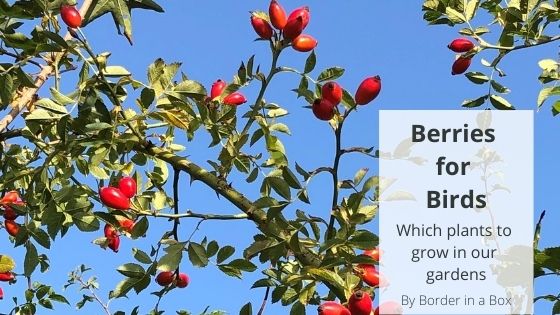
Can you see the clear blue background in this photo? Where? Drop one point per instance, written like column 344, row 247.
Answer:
column 211, row 38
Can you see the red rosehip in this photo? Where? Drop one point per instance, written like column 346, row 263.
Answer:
column 11, row 227
column 332, row 308
column 1, row 294
column 217, row 88
column 368, row 90
column 323, row 109
column 277, row 15
column 109, row 231
column 261, row 27
column 235, row 99
column 9, row 213
column 183, row 280
column 360, row 303
column 71, row 16
column 126, row 224
column 293, row 28
column 460, row 45
column 127, row 185
column 165, row 278
column 112, row 197
column 7, row 276
column 10, row 197
column 369, row 274
column 460, row 65
column 114, row 243
column 304, row 43
column 302, row 12
column 373, row 253
column 332, row 92
column 392, row 308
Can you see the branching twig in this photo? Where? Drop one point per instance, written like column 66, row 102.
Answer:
column 28, row 94
column 105, row 306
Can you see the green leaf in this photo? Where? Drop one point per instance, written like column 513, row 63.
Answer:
column 470, row 9
column 477, row 77
column 119, row 11
column 310, row 62
column 476, row 102
column 363, row 239
column 499, row 88
column 51, row 106
column 500, row 103
column 297, row 309
column 224, row 253
column 247, row 309
column 131, row 270
column 548, row 64
column 170, row 261
column 330, row 74
column 61, row 98
column 290, row 178
column 328, row 276
column 242, row 264
column 280, row 187
column 31, row 259
column 197, row 255
column 191, row 88
column 115, row 71
column 85, row 222
column 455, row 16
column 360, row 176
column 546, row 93
column 141, row 256
column 140, row 228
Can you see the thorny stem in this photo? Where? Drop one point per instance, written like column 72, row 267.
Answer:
column 190, row 214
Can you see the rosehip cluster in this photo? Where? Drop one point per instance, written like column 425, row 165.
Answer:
column 233, row 99
column 331, row 95
column 119, row 197
column 359, row 303
column 289, row 27
column 462, row 62
column 71, row 16
column 11, row 198
column 166, row 278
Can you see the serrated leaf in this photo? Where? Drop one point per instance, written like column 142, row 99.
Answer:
column 224, row 253
column 131, row 270
column 474, row 103
column 197, row 255
column 477, row 77
column 310, row 62
column 330, row 74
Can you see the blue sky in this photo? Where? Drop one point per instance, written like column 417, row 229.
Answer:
column 386, row 38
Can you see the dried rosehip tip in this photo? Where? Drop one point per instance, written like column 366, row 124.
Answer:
column 277, row 15
column 261, row 27
column 460, row 45
column 460, row 65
